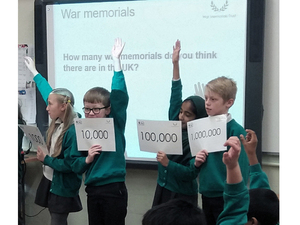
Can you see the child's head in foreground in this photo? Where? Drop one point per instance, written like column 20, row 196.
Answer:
column 96, row 103
column 174, row 212
column 263, row 208
column 219, row 95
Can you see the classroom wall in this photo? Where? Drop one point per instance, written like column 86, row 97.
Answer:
column 270, row 125
column 141, row 183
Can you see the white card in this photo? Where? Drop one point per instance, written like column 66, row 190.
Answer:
column 35, row 136
column 157, row 136
column 95, row 131
column 208, row 133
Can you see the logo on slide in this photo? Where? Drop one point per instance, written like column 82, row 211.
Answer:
column 217, row 7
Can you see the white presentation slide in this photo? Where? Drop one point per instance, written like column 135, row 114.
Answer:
column 213, row 43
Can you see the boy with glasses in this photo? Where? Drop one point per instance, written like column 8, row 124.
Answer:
column 105, row 171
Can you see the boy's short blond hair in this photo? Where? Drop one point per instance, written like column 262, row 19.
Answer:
column 225, row 87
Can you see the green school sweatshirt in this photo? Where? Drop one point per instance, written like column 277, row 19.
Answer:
column 64, row 182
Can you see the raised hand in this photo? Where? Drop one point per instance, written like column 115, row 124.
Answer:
column 250, row 144
column 31, row 65
column 175, row 60
column 230, row 158
column 117, row 48
column 199, row 89
column 176, row 51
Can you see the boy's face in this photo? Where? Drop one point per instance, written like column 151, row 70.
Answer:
column 102, row 113
column 186, row 114
column 215, row 104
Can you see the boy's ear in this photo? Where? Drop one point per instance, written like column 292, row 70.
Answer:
column 107, row 111
column 229, row 103
column 254, row 221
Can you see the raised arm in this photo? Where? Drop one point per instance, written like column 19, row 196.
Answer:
column 119, row 97
column 176, row 91
column 42, row 84
column 258, row 178
column 175, row 60
column 236, row 195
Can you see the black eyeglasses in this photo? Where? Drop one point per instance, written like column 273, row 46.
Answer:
column 95, row 110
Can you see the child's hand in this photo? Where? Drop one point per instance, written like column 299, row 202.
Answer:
column 200, row 157
column 230, row 158
column 31, row 65
column 117, row 48
column 176, row 51
column 94, row 150
column 199, row 89
column 162, row 158
column 250, row 144
column 40, row 155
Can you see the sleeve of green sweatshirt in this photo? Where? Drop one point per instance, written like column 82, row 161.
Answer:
column 258, row 178
column 43, row 86
column 184, row 173
column 236, row 203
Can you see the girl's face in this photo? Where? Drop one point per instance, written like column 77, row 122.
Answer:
column 103, row 112
column 186, row 114
column 55, row 109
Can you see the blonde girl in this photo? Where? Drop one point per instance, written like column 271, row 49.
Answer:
column 59, row 186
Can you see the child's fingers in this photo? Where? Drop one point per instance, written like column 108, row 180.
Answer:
column 232, row 141
column 178, row 44
column 252, row 135
column 201, row 158
column 243, row 140
column 250, row 131
column 205, row 152
column 234, row 144
column 225, row 157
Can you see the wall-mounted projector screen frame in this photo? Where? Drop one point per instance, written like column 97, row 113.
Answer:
column 216, row 29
